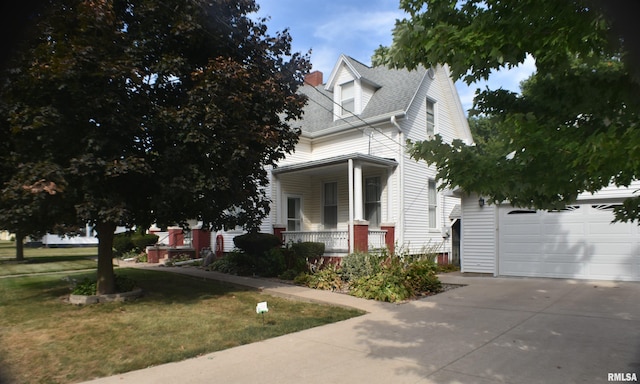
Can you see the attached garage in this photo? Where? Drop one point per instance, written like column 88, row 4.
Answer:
column 578, row 242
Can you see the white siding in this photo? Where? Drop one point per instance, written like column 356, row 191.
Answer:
column 478, row 238
column 612, row 192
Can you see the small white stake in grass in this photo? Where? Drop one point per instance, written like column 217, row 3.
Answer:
column 261, row 308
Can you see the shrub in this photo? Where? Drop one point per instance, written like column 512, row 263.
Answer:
column 256, row 243
column 327, row 278
column 360, row 264
column 421, row 277
column 296, row 255
column 122, row 243
column 224, row 265
column 308, row 249
column 128, row 241
column 290, row 274
column 88, row 287
column 271, row 263
column 142, row 241
column 398, row 279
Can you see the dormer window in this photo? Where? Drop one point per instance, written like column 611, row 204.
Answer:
column 347, row 98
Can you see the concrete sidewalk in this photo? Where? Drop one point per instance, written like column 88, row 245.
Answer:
column 493, row 330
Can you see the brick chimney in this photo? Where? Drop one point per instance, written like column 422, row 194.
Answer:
column 313, row 79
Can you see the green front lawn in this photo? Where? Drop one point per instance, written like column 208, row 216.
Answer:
column 40, row 260
column 45, row 340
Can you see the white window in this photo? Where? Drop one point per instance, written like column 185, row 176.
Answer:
column 347, row 98
column 330, row 206
column 431, row 118
column 433, row 203
column 294, row 221
column 372, row 204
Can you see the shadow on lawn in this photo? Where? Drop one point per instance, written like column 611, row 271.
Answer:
column 157, row 286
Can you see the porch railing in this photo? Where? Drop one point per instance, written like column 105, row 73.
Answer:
column 335, row 241
column 377, row 238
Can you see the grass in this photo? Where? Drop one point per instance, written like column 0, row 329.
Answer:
column 42, row 260
column 45, row 340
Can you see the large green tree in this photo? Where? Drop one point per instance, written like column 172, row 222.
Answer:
column 131, row 112
column 574, row 126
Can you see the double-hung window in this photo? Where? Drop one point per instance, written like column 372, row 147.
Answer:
column 294, row 217
column 431, row 118
column 347, row 98
column 372, row 203
column 330, row 205
column 433, row 203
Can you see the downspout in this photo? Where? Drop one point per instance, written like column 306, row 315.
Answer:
column 400, row 226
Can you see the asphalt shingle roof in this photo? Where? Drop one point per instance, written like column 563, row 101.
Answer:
column 397, row 88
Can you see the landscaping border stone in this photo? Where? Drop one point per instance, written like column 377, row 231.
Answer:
column 95, row 299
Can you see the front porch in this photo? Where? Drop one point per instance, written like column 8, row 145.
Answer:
column 334, row 200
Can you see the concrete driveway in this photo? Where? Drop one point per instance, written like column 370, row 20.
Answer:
column 493, row 330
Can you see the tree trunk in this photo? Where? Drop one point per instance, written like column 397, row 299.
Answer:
column 106, row 277
column 19, row 246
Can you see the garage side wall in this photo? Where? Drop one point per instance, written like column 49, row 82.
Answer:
column 479, row 238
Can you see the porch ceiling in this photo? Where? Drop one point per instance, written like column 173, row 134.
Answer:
column 332, row 163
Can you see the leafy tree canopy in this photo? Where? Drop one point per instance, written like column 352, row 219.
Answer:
column 142, row 111
column 574, row 126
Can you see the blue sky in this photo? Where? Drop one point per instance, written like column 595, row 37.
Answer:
column 356, row 28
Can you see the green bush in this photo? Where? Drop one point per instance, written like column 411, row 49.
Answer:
column 224, row 265
column 296, row 255
column 256, row 243
column 142, row 241
column 398, row 280
column 122, row 243
column 289, row 274
column 308, row 249
column 361, row 264
column 421, row 277
column 88, row 287
column 327, row 278
column 130, row 241
column 271, row 263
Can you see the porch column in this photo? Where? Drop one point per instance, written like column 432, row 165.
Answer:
column 176, row 237
column 278, row 200
column 357, row 191
column 278, row 229
column 201, row 238
column 351, row 213
column 390, row 236
column 361, row 236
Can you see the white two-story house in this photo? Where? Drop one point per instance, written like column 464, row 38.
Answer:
column 350, row 170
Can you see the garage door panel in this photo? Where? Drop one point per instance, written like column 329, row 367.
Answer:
column 579, row 242
column 520, row 229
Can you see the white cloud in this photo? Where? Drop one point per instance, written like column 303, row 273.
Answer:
column 357, row 25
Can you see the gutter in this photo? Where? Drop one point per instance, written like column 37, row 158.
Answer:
column 379, row 119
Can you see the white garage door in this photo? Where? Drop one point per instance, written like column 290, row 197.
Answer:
column 578, row 242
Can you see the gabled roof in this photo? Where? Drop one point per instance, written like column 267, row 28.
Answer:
column 395, row 91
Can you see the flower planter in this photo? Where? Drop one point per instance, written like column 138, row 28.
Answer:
column 94, row 299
